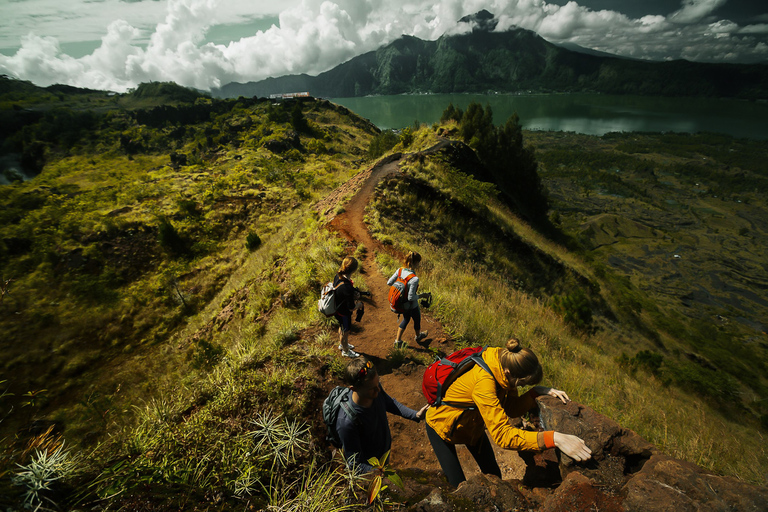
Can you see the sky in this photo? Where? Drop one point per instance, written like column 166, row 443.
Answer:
column 117, row 44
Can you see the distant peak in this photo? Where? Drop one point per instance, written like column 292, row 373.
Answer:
column 483, row 20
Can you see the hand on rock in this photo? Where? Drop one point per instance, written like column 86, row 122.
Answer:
column 572, row 446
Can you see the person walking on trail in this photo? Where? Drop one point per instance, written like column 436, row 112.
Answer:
column 410, row 305
column 346, row 304
column 367, row 434
column 480, row 400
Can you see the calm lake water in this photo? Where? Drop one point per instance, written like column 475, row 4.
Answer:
column 594, row 114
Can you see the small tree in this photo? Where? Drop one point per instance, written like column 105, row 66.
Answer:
column 298, row 121
column 503, row 153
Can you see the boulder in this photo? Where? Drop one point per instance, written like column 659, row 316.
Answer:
column 289, row 141
column 626, row 473
column 668, row 484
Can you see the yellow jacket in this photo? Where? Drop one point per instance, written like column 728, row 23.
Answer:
column 495, row 402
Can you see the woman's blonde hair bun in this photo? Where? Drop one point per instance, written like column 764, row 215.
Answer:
column 521, row 363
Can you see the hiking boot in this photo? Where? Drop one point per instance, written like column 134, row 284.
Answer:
column 421, row 336
column 351, row 346
column 400, row 344
column 350, row 353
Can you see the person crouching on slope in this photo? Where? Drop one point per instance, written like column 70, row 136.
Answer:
column 494, row 400
column 411, row 308
column 367, row 434
column 346, row 304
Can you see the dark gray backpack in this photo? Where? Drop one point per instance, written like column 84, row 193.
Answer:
column 339, row 397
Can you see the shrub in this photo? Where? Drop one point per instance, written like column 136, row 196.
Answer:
column 252, row 241
column 647, row 359
column 188, row 207
column 382, row 143
column 406, row 137
column 512, row 165
column 575, row 309
column 206, row 355
column 170, row 239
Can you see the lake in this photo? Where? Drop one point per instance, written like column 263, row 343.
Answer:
column 593, row 114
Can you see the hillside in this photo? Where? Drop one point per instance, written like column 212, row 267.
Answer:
column 514, row 61
column 160, row 278
column 678, row 224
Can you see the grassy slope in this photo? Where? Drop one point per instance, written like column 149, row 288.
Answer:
column 103, row 313
column 203, row 401
column 488, row 289
column 676, row 223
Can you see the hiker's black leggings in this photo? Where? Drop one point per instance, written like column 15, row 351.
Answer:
column 411, row 313
column 449, row 460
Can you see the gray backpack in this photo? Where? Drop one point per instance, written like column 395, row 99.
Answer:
column 339, row 397
column 327, row 303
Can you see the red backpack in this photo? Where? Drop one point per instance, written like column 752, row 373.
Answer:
column 398, row 293
column 444, row 372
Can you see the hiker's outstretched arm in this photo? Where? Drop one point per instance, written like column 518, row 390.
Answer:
column 395, row 407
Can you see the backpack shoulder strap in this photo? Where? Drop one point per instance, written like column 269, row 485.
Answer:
column 348, row 409
column 463, row 368
column 478, row 358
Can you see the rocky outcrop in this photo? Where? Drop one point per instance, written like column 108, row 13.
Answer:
column 626, row 473
column 288, row 142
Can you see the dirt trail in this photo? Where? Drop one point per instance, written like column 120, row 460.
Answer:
column 375, row 334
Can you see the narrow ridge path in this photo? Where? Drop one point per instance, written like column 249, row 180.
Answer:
column 375, row 334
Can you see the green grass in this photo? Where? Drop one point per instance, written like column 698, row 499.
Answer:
column 483, row 296
column 131, row 280
column 186, row 375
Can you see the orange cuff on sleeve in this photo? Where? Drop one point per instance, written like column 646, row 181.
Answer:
column 549, row 438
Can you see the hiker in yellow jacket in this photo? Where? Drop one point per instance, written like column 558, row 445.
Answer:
column 494, row 400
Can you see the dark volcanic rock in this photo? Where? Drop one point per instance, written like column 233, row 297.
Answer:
column 490, row 493
column 675, row 485
column 290, row 141
column 578, row 493
column 626, row 473
column 604, row 436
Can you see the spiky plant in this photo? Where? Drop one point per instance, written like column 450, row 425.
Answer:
column 39, row 477
column 280, row 438
column 320, row 489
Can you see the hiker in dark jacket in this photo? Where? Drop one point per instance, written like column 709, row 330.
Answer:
column 367, row 434
column 346, row 304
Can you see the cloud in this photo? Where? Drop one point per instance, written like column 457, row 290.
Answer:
column 315, row 35
column 760, row 28
column 695, row 10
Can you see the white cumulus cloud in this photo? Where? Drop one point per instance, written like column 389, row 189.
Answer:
column 312, row 36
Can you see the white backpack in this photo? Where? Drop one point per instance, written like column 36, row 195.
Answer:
column 327, row 303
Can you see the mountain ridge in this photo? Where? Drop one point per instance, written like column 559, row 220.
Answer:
column 513, row 61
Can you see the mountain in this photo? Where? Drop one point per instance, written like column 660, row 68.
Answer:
column 580, row 49
column 513, row 61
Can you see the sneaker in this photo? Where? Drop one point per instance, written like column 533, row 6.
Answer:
column 351, row 346
column 350, row 353
column 421, row 336
column 400, row 344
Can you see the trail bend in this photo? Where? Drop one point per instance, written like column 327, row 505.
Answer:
column 375, row 334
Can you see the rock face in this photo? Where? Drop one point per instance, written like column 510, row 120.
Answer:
column 626, row 473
